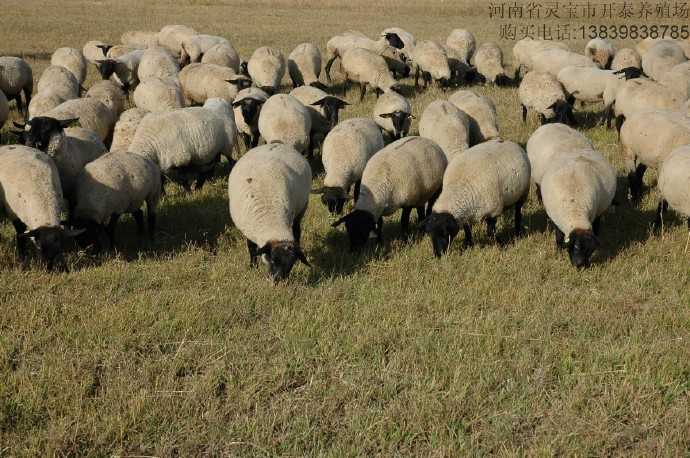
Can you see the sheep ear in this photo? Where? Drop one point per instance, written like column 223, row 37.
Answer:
column 69, row 123
column 385, row 115
column 237, row 103
column 317, row 191
column 422, row 225
column 266, row 249
column 72, row 232
column 302, row 257
column 343, row 195
column 341, row 220
column 33, row 233
column 19, row 126
column 319, row 102
column 411, row 116
column 100, row 61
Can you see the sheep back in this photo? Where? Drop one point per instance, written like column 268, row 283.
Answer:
column 284, row 119
column 125, row 127
column 674, row 181
column 447, row 125
column 156, row 94
column 551, row 141
column 73, row 60
column 481, row 112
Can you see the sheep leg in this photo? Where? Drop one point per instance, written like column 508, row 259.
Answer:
column 635, row 182
column 379, row 230
column 355, row 193
column 247, row 140
column 538, row 192
column 362, row 90
column 346, row 83
column 255, row 140
column 491, row 228
column 152, row 221
column 560, row 238
column 620, row 119
column 542, row 119
column 20, row 228
column 18, row 99
column 468, row 235
column 110, row 230
column 431, row 202
column 524, row 113
column 421, row 213
column 253, row 258
column 405, row 221
column 518, row 217
column 297, row 227
column 327, row 69
column 138, row 216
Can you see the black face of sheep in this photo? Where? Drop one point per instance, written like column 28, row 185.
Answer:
column 442, row 228
column 333, row 198
column 331, row 107
column 43, row 128
column 398, row 119
column 564, row 113
column 49, row 242
column 443, row 83
column 630, row 72
column 90, row 231
column 318, row 85
column 107, row 67
column 503, row 81
column 240, row 81
column 394, row 40
column 280, row 257
column 359, row 225
column 105, row 49
column 243, row 69
column 580, row 245
column 250, row 109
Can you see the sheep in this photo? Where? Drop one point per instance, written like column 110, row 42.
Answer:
column 458, row 67
column 247, row 108
column 429, row 59
column 190, row 139
column 481, row 112
column 489, row 62
column 396, row 62
column 156, row 94
column 447, row 125
column 93, row 52
column 339, row 45
column 193, row 47
column 125, row 127
column 125, row 68
column 591, row 85
column 31, row 198
column 624, row 58
column 73, row 60
column 601, row 52
column 643, row 45
column 144, row 38
column 171, row 37
column 366, row 67
column 4, row 109
column 115, row 183
column 661, row 57
column 576, row 189
column 406, row 37
column 110, row 95
column 646, row 138
column 92, row 114
column 479, row 185
column 268, row 190
column 16, row 77
column 462, row 41
column 57, row 74
column 678, row 79
column 224, row 55
column 323, row 110
column 543, row 93
column 405, row 174
column 551, row 141
column 554, row 60
column 284, row 119
column 56, row 85
column 158, row 61
column 304, row 66
column 266, row 68
column 117, row 51
column 673, row 184
column 203, row 81
column 393, row 114
column 524, row 49
column 345, row 153
column 636, row 94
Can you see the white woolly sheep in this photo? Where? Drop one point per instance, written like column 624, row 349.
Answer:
column 93, row 52
column 643, row 46
column 304, row 66
column 405, row 174
column 429, row 59
column 624, row 58
column 110, row 95
column 576, row 189
column 125, row 127
column 73, row 60
column 190, row 139
column 224, row 55
column 117, row 51
column 661, row 57
column 479, row 185
column 341, row 44
column 266, row 68
column 678, row 79
column 366, row 67
column 284, row 119
column 193, row 47
column 203, row 81
column 393, row 114
column 57, row 74
column 554, row 60
column 156, row 94
column 16, row 77
column 543, row 93
column 647, row 137
column 144, row 38
column 345, row 153
column 673, row 184
column 323, row 109
column 396, row 61
column 458, row 67
column 600, row 51
column 489, row 62
column 92, row 114
column 462, row 41
column 124, row 67
column 268, row 190
column 32, row 198
column 171, row 37
column 524, row 49
column 640, row 93
column 56, row 85
column 158, row 61
column 447, row 125
column 481, row 112
column 247, row 108
column 116, row 183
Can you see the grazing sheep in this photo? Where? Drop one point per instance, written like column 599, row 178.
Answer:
column 489, row 62
column 110, row 95
column 124, row 67
column 647, row 137
column 284, row 119
column 462, row 41
column 405, row 174
column 601, row 52
column 117, row 51
column 624, row 58
column 224, row 55
column 396, row 61
column 479, row 185
column 393, row 114
column 481, row 112
column 247, row 108
column 447, row 125
column 366, row 67
column 591, row 85
column 429, row 59
column 674, row 191
column 554, row 60
column 268, row 190
column 524, row 50
column 116, row 183
column 458, row 67
column 125, row 127
column 144, row 38
column 171, row 37
column 304, row 66
column 57, row 74
column 203, row 81
column 406, row 37
column 73, row 60
column 159, row 62
column 339, row 45
column 543, row 93
column 193, row 47
column 678, row 79
column 266, row 68
column 639, row 93
column 157, row 94
column 92, row 114
column 16, row 77
column 661, row 57
column 576, row 189
column 31, row 198
column 345, row 153
column 323, row 109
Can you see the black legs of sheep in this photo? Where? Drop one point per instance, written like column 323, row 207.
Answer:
column 635, row 183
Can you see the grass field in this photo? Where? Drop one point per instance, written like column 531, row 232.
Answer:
column 177, row 348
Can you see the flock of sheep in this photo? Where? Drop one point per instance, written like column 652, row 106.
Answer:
column 194, row 98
